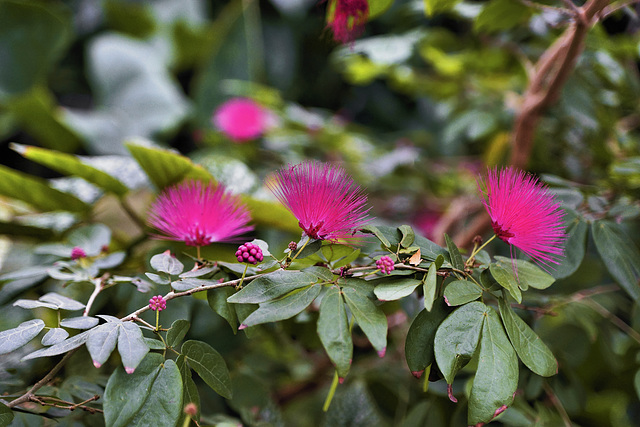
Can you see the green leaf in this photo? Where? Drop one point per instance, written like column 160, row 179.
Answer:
column 190, row 283
column 435, row 6
column 40, row 195
column 496, row 379
column 430, row 250
column 54, row 336
column 190, row 392
column 272, row 285
column 6, row 415
column 49, row 33
column 177, row 332
column 419, row 344
column 430, row 286
column 71, row 165
column 574, row 246
column 126, row 394
column 82, row 322
column 529, row 274
column 369, row 317
column 154, row 344
column 620, row 255
column 164, row 167
column 339, row 255
column 457, row 338
column 163, row 407
column 392, row 290
column 530, row 348
column 456, row 258
column 283, row 308
column 209, row 365
column 15, row 338
column 498, row 15
column 217, row 299
column 271, row 214
column 461, row 292
column 408, row 236
column 378, row 7
column 131, row 345
column 323, row 273
column 388, row 236
column 62, row 347
column 637, row 383
column 166, row 263
column 333, row 331
column 506, row 278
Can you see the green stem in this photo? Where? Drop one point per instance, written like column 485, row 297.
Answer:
column 301, row 249
column 244, row 273
column 198, row 252
column 425, row 385
column 332, row 391
column 157, row 320
column 477, row 250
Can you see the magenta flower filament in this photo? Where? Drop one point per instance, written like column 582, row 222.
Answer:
column 524, row 214
column 242, row 119
column 324, row 199
column 199, row 214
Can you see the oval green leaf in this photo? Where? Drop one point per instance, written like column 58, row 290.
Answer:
column 395, row 289
column 283, row 308
column 15, row 338
column 369, row 317
column 272, row 285
column 419, row 344
column 209, row 365
column 461, row 292
column 333, row 331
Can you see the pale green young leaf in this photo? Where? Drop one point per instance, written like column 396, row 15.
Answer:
column 461, row 292
column 505, row 276
column 430, row 286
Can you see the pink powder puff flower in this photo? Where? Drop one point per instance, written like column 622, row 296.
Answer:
column 199, row 214
column 324, row 199
column 524, row 214
column 348, row 19
column 242, row 119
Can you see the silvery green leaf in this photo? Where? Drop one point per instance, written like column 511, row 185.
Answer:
column 54, row 336
column 166, row 263
column 62, row 302
column 12, row 339
column 29, row 304
column 101, row 342
column 62, row 347
column 110, row 261
column 157, row 278
column 131, row 345
column 197, row 273
column 186, row 284
column 108, row 318
column 82, row 322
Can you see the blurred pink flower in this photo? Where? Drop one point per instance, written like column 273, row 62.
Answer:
column 199, row 214
column 349, row 17
column 324, row 199
column 524, row 214
column 242, row 119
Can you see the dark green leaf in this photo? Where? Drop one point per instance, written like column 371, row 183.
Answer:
column 500, row 15
column 419, row 344
column 454, row 252
column 154, row 344
column 15, row 338
column 461, row 292
column 209, row 365
column 430, row 286
column 125, row 394
column 6, row 415
column 62, row 347
column 408, row 236
column 166, row 263
column 323, row 273
column 430, row 251
column 391, row 290
column 217, row 299
column 457, row 338
column 166, row 168
column 353, row 407
column 283, row 308
column 496, row 379
column 54, row 336
column 82, row 322
column 637, row 383
column 177, row 332
column 131, row 345
column 369, row 317
column 531, row 350
column 505, row 276
column 333, row 331
column 620, row 255
column 574, row 246
column 40, row 195
column 388, row 236
column 190, row 392
column 163, row 407
column 528, row 273
column 71, row 165
column 272, row 285
column 435, row 6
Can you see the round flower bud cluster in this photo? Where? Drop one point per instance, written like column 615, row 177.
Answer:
column 77, row 252
column 249, row 253
column 292, row 246
column 385, row 264
column 157, row 303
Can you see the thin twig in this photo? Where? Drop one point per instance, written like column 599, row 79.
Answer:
column 540, row 310
column 44, row 381
column 613, row 8
column 557, row 404
column 613, row 318
column 63, row 404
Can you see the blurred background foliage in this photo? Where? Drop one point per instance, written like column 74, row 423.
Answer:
column 413, row 109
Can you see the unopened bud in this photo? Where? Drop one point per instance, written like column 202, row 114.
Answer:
column 293, row 246
column 191, row 409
